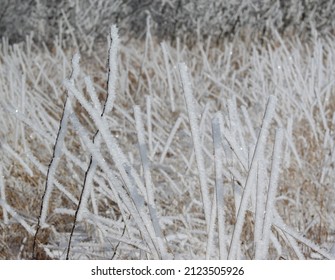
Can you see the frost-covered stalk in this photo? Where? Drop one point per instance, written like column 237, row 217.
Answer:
column 270, row 203
column 291, row 240
column 112, row 69
column 192, row 115
column 220, row 195
column 235, row 124
column 108, row 105
column 129, row 175
column 123, row 197
column 88, row 179
column 167, row 69
column 149, row 122
column 258, row 155
column 260, row 209
column 16, row 156
column 3, row 197
column 247, row 120
column 211, row 230
column 144, row 157
column 57, row 152
column 278, row 222
column 17, row 217
column 170, row 138
column 148, row 180
column 58, row 147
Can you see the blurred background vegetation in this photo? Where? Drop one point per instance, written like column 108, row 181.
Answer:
column 190, row 20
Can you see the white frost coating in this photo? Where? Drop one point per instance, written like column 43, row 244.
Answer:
column 293, row 243
column 112, row 75
column 3, row 197
column 143, row 154
column 270, row 203
column 129, row 175
column 58, row 147
column 288, row 134
column 18, row 158
column 260, row 209
column 170, row 138
column 92, row 93
column 192, row 115
column 290, row 142
column 75, row 67
column 88, row 188
column 59, row 186
column 167, row 68
column 235, row 125
column 220, row 195
column 17, row 217
column 270, row 110
column 249, row 123
column 103, row 126
column 148, row 181
column 116, row 186
column 296, row 235
column 211, row 230
column 149, row 122
column 235, row 147
column 257, row 157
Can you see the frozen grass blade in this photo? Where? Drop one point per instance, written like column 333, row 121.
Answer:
column 211, row 230
column 219, row 189
column 149, row 122
column 17, row 217
column 167, row 69
column 57, row 152
column 282, row 226
column 108, row 105
column 112, row 70
column 148, row 181
column 260, row 210
column 11, row 152
column 258, row 155
column 144, row 157
column 192, row 115
column 270, row 203
column 3, row 197
column 130, row 177
column 54, row 162
column 235, row 124
column 170, row 138
column 131, row 201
